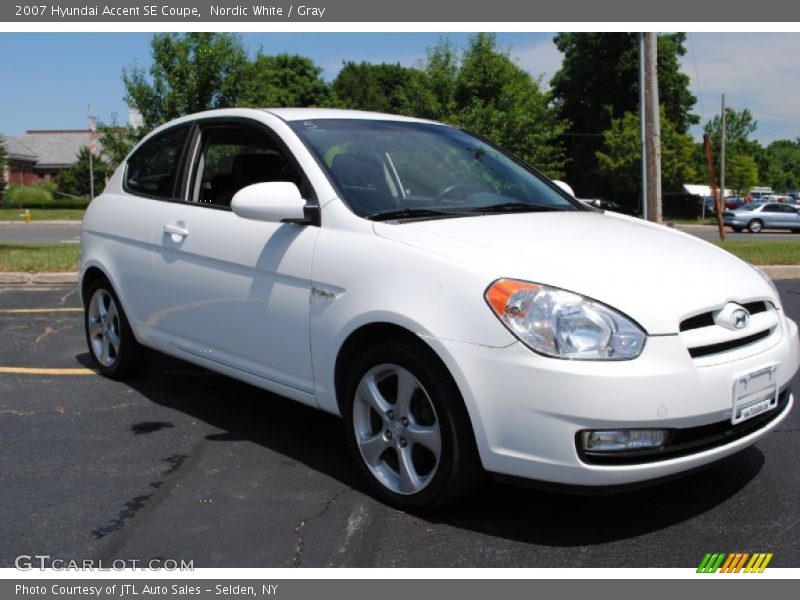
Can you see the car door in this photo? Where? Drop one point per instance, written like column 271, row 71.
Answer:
column 790, row 218
column 148, row 185
column 233, row 291
column 772, row 216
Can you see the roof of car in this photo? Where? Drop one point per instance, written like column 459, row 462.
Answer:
column 303, row 114
column 287, row 114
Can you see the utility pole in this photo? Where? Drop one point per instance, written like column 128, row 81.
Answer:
column 722, row 158
column 712, row 178
column 92, row 147
column 652, row 129
column 642, row 136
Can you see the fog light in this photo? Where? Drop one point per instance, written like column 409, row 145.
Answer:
column 617, row 440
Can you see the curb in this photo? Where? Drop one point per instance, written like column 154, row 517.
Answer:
column 67, row 222
column 38, row 278
column 779, row 272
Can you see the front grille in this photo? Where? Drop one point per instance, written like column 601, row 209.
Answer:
column 699, row 351
column 703, row 337
column 682, row 442
column 698, row 321
column 707, row 319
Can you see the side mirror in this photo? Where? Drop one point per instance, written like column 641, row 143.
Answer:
column 275, row 201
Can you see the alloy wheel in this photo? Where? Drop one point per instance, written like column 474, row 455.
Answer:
column 397, row 430
column 104, row 328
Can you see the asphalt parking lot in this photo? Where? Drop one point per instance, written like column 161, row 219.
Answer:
column 186, row 464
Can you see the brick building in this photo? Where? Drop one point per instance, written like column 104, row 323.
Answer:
column 39, row 155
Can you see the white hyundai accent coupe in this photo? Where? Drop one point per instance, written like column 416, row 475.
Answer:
column 459, row 311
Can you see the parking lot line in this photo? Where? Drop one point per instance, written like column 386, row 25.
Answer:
column 21, row 311
column 42, row 371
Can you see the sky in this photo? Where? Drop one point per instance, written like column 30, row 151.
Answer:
column 50, row 78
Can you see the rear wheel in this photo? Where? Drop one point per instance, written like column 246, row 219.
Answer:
column 112, row 345
column 755, row 226
column 408, row 429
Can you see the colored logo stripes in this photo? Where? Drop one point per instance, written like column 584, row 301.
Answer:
column 720, row 562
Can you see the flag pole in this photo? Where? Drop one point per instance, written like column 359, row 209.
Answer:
column 92, row 131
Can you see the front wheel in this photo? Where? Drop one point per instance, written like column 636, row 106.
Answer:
column 408, row 429
column 755, row 226
column 112, row 345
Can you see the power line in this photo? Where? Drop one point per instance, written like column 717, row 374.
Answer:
column 697, row 77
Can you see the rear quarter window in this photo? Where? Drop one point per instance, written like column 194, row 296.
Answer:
column 153, row 169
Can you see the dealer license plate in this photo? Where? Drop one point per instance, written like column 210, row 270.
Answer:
column 755, row 393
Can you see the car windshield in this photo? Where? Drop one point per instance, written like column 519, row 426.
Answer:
column 394, row 169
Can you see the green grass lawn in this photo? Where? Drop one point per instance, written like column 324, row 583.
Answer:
column 33, row 258
column 44, row 214
column 764, row 253
column 709, row 221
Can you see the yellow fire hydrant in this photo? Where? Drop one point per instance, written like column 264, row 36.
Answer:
column 26, row 216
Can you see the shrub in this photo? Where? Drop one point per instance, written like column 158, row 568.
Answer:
column 23, row 196
column 40, row 196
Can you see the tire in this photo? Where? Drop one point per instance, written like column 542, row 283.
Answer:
column 737, row 229
column 438, row 464
column 755, row 226
column 112, row 345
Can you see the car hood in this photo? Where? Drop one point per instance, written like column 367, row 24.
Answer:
column 655, row 275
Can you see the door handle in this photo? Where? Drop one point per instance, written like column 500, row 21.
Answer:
column 175, row 232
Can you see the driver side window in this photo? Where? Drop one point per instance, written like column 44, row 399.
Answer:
column 232, row 157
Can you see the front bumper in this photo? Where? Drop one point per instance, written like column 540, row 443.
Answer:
column 527, row 409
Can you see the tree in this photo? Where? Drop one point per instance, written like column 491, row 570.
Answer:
column 620, row 159
column 432, row 91
column 599, row 82
column 364, row 86
column 190, row 72
column 739, row 126
column 117, row 141
column 281, row 80
column 484, row 91
column 782, row 165
column 74, row 181
column 3, row 161
column 741, row 172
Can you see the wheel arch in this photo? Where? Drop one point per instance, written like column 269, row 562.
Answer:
column 356, row 342
column 90, row 275
column 373, row 333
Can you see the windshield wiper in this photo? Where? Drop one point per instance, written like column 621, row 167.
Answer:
column 515, row 207
column 410, row 213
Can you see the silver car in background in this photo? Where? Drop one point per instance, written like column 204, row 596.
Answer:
column 756, row 217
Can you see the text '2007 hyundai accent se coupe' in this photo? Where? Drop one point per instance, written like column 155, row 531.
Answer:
column 457, row 309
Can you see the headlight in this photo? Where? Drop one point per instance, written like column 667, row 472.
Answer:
column 562, row 324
